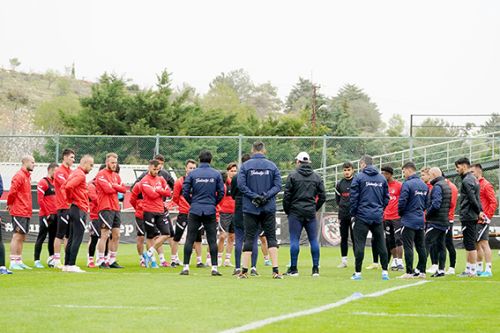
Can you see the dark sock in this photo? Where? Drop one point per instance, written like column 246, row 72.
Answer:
column 292, row 268
column 244, row 270
column 275, row 270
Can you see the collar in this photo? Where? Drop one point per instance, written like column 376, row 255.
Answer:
column 204, row 165
column 25, row 171
column 258, row 155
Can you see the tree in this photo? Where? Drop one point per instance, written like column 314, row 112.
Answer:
column 435, row 127
column 14, row 63
column 19, row 100
column 48, row 115
column 492, row 124
column 63, row 86
column 396, row 126
column 239, row 80
column 51, row 76
column 300, row 97
column 264, row 99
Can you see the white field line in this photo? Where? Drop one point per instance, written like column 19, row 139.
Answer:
column 385, row 314
column 353, row 297
column 110, row 307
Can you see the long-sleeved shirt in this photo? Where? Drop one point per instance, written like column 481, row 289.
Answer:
column 19, row 198
column 76, row 190
column 46, row 196
column 488, row 197
column 154, row 189
column 108, row 185
column 61, row 175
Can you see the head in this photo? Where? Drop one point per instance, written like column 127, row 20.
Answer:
column 387, row 171
column 302, row 158
column 68, row 157
column 435, row 172
column 245, row 157
column 409, row 168
column 347, row 170
column 258, row 147
column 160, row 158
column 51, row 169
column 154, row 168
column 424, row 174
column 190, row 166
column 28, row 162
column 462, row 165
column 364, row 161
column 111, row 161
column 87, row 163
column 477, row 170
column 205, row 156
column 232, row 170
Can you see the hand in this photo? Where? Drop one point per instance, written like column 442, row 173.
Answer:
column 259, row 201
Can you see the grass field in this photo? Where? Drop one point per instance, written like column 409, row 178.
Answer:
column 137, row 299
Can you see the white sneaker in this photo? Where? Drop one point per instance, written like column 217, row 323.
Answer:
column 373, row 266
column 405, row 276
column 227, row 263
column 64, row 268
column 433, row 269
column 209, row 262
column 58, row 264
column 74, row 269
column 450, row 271
column 343, row 264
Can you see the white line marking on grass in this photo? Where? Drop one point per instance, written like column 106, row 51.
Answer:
column 111, row 307
column 353, row 297
column 385, row 314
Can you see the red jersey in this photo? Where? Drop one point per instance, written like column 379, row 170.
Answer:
column 178, row 199
column 60, row 177
column 93, row 199
column 454, row 197
column 76, row 190
column 108, row 184
column 227, row 203
column 391, row 211
column 136, row 201
column 153, row 190
column 488, row 197
column 46, row 196
column 19, row 198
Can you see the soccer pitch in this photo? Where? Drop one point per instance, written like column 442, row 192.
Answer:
column 137, row 299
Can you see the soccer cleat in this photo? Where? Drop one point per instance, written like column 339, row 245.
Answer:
column 64, row 268
column 38, row 264
column 438, row 274
column 227, row 263
column 164, row 264
column 268, row 262
column 315, row 271
column 115, row 265
column 342, row 265
column 373, row 266
column 243, row 275
column 184, row 272
column 104, row 265
column 356, row 277
column 237, row 271
column 253, row 272
column 278, row 276
column 215, row 273
column 385, row 277
column 394, row 268
column 433, row 269
column 450, row 271
column 401, row 267
column 418, row 275
column 142, row 263
column 74, row 269
column 4, row 271
column 173, row 264
column 466, row 274
column 147, row 259
column 154, row 264
column 292, row 272
column 50, row 262
column 24, row 266
column 201, row 265
column 485, row 274
column 91, row 265
column 58, row 264
column 405, row 276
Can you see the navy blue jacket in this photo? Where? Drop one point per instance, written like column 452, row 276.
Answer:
column 412, row 202
column 368, row 196
column 259, row 177
column 203, row 188
column 1, row 186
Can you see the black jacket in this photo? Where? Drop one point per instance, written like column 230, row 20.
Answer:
column 439, row 202
column 470, row 203
column 301, row 189
column 342, row 191
column 238, row 203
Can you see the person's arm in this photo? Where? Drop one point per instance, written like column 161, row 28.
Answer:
column 354, row 196
column 138, row 180
column 321, row 193
column 386, row 195
column 403, row 198
column 242, row 184
column 220, row 189
column 436, row 196
column 176, row 197
column 149, row 191
column 276, row 185
column 42, row 186
column 119, row 187
column 186, row 188
column 72, row 183
column 337, row 193
column 164, row 190
column 469, row 191
column 287, row 196
column 234, row 187
column 105, row 185
column 14, row 187
column 1, row 186
column 134, row 195
column 491, row 200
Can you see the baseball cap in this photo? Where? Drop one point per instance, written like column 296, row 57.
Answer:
column 303, row 157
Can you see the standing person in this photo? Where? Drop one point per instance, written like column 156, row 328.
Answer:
column 3, row 269
column 260, row 181
column 304, row 196
column 108, row 185
column 489, row 204
column 411, row 206
column 368, row 198
column 76, row 193
column 136, row 200
column 239, row 227
column 20, row 207
column 60, row 176
column 342, row 190
column 154, row 190
column 437, row 216
column 471, row 211
column 449, row 233
column 182, row 219
column 226, row 211
column 47, row 216
column 95, row 226
column 203, row 189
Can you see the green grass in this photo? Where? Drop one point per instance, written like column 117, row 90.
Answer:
column 161, row 300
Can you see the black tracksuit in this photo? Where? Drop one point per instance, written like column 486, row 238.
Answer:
column 470, row 207
column 342, row 198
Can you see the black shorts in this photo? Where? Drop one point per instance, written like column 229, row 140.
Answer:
column 155, row 222
column 94, row 228
column 21, row 225
column 226, row 223
column 181, row 225
column 109, row 219
column 483, row 232
column 469, row 231
column 62, row 223
column 141, row 229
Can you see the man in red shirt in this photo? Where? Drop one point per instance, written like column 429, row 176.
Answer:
column 182, row 219
column 95, row 227
column 76, row 193
column 154, row 189
column 490, row 204
column 226, row 212
column 47, row 215
column 61, row 174
column 108, row 185
column 20, row 208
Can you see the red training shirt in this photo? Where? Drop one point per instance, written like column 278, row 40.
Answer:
column 46, row 196
column 76, row 190
column 153, row 191
column 391, row 211
column 60, row 177
column 19, row 198
column 108, row 184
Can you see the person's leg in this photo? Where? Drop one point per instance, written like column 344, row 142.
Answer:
column 360, row 231
column 52, row 234
column 194, row 223
column 115, row 238
column 451, row 248
column 377, row 231
column 238, row 248
column 398, row 242
column 255, row 250
column 61, row 235
column 2, row 249
column 408, row 236
column 269, row 227
column 295, row 229
column 312, row 235
column 420, row 247
column 210, row 226
column 441, row 248
column 105, row 226
column 71, row 227
column 469, row 232
column 77, row 220
column 251, row 230
column 180, row 227
column 263, row 246
column 344, row 227
column 229, row 243
column 42, row 234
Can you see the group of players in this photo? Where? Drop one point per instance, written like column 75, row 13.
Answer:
column 241, row 205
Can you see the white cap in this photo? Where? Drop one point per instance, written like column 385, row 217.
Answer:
column 303, row 157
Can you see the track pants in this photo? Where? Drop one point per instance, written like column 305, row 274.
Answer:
column 239, row 235
column 48, row 226
column 412, row 237
column 360, row 231
column 194, row 224
column 345, row 230
column 77, row 220
column 435, row 240
column 295, row 226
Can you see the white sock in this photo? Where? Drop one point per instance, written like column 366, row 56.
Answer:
column 344, row 260
column 151, row 251
column 488, row 267
column 214, row 268
column 141, row 258
column 186, row 267
column 468, row 267
column 394, row 262
column 385, row 273
column 162, row 257
column 479, row 266
column 473, row 268
column 198, row 259
column 357, row 274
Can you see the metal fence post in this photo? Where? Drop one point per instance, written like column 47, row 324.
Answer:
column 157, row 144
column 411, row 148
column 240, row 149
column 57, row 148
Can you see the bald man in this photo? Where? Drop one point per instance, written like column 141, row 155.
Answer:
column 19, row 206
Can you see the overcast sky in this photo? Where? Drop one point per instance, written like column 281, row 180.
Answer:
column 409, row 56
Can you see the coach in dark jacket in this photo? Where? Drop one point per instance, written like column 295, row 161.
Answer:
column 304, row 196
column 369, row 196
